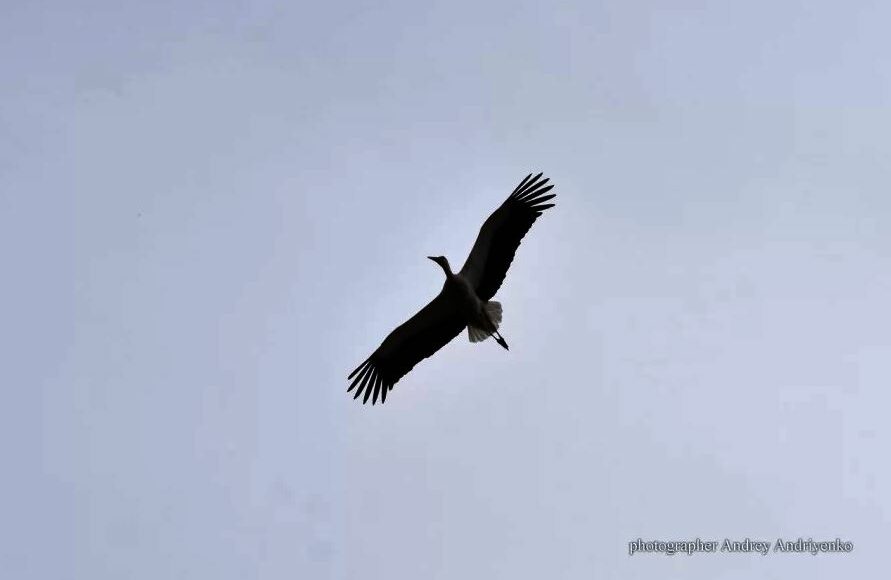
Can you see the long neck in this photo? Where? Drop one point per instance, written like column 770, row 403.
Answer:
column 444, row 264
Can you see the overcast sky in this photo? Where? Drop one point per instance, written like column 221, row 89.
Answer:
column 211, row 212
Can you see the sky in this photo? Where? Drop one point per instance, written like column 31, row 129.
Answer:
column 211, row 212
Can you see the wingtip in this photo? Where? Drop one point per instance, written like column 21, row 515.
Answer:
column 520, row 186
column 359, row 368
column 528, row 186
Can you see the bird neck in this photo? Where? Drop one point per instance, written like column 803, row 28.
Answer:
column 446, row 268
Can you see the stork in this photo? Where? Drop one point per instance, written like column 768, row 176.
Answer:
column 465, row 298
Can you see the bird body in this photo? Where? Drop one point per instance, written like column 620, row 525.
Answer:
column 465, row 298
column 477, row 317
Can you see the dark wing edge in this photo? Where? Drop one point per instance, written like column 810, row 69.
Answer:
column 418, row 338
column 501, row 234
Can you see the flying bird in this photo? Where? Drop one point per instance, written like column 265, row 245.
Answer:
column 465, row 298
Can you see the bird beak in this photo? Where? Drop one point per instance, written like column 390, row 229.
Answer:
column 431, row 258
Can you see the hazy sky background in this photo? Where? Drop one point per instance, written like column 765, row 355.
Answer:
column 211, row 212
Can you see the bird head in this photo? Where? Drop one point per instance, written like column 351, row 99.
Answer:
column 443, row 263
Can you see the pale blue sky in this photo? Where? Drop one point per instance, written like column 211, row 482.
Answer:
column 211, row 212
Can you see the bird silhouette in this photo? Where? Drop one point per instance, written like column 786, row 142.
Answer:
column 465, row 298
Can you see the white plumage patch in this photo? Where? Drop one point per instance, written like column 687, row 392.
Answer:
column 493, row 309
column 476, row 334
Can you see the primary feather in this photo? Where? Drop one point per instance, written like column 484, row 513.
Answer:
column 501, row 234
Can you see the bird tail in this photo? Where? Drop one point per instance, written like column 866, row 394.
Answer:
column 476, row 334
column 492, row 310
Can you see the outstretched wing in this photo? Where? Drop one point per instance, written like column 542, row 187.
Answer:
column 418, row 338
column 500, row 236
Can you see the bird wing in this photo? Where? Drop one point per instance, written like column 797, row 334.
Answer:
column 416, row 339
column 500, row 236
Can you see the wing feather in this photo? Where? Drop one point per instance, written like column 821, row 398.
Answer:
column 419, row 337
column 502, row 232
